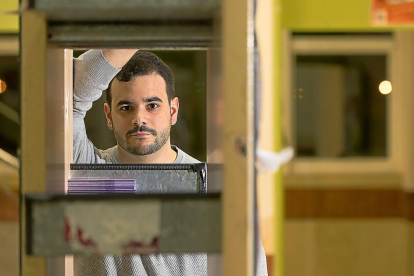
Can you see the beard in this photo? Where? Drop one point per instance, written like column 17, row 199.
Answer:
column 159, row 141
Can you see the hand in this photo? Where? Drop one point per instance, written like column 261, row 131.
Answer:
column 118, row 57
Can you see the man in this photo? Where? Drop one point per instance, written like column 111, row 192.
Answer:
column 141, row 108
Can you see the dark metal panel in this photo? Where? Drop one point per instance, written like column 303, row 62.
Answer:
column 150, row 178
column 154, row 4
column 122, row 10
column 170, row 35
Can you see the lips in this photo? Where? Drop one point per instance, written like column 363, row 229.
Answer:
column 141, row 134
column 141, row 131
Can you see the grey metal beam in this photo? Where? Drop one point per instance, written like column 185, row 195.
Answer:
column 123, row 224
column 126, row 10
column 165, row 24
column 174, row 35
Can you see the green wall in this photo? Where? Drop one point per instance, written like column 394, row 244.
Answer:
column 9, row 23
column 327, row 15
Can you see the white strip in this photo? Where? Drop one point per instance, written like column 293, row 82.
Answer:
column 324, row 45
column 8, row 158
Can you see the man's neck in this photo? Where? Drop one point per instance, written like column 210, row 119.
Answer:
column 164, row 155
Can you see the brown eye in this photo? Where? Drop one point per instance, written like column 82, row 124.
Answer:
column 125, row 108
column 153, row 106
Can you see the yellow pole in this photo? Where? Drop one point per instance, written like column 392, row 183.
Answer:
column 279, row 207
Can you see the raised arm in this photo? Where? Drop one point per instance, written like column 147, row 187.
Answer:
column 93, row 71
column 118, row 57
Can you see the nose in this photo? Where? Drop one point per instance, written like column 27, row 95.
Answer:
column 140, row 117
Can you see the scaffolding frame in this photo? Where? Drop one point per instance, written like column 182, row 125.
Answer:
column 47, row 137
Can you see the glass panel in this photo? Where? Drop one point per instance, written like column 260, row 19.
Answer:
column 339, row 109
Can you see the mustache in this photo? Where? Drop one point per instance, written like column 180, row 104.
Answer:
column 141, row 128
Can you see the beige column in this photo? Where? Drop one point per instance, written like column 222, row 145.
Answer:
column 238, row 137
column 33, row 121
column 46, row 126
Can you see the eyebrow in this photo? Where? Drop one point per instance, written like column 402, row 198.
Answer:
column 152, row 99
column 145, row 100
column 124, row 102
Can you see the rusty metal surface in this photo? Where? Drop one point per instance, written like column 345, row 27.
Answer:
column 141, row 224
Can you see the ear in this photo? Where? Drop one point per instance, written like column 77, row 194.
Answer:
column 108, row 116
column 175, row 105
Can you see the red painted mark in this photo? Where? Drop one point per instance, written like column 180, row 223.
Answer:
column 141, row 247
column 85, row 242
column 67, row 230
column 79, row 237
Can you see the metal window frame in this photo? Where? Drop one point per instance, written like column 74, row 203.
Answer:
column 343, row 45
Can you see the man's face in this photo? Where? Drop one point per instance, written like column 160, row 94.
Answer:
column 141, row 116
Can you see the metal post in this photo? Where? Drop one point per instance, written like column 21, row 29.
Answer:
column 46, row 129
column 238, row 133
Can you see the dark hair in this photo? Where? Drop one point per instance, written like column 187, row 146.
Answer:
column 144, row 63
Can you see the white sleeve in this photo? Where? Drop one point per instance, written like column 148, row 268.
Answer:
column 92, row 74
